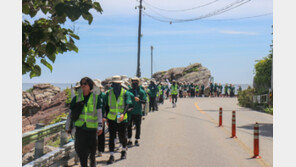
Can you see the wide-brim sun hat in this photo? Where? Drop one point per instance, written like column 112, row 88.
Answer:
column 77, row 85
column 116, row 79
column 97, row 83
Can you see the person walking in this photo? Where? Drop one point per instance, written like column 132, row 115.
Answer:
column 220, row 87
column 117, row 105
column 232, row 90
column 137, row 112
column 99, row 90
column 174, row 93
column 152, row 95
column 226, row 90
column 202, row 89
column 211, row 89
column 196, row 90
column 215, row 89
column 86, row 115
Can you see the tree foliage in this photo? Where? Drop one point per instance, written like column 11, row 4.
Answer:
column 262, row 78
column 45, row 38
column 263, row 70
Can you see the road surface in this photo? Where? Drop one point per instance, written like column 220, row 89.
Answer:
column 188, row 135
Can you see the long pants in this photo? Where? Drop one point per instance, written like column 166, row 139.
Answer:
column 174, row 97
column 85, row 146
column 121, row 129
column 161, row 99
column 192, row 93
column 135, row 119
column 152, row 103
column 101, row 141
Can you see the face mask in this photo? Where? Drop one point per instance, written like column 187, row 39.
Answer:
column 116, row 85
column 134, row 85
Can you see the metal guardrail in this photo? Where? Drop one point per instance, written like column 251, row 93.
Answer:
column 38, row 134
column 260, row 99
column 58, row 157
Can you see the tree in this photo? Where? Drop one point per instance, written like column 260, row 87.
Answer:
column 46, row 37
column 263, row 70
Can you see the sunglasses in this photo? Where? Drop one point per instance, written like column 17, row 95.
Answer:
column 84, row 83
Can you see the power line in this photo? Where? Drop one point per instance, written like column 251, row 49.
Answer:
column 181, row 10
column 217, row 12
column 241, row 18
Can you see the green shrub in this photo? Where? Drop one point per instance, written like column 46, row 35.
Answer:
column 195, row 69
column 68, row 93
column 269, row 110
column 245, row 97
column 29, row 90
column 58, row 118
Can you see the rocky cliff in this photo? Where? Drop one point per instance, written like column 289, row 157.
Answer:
column 42, row 103
column 194, row 73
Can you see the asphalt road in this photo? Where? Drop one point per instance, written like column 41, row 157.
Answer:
column 188, row 135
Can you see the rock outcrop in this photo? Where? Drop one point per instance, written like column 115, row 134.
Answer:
column 42, row 103
column 194, row 73
column 41, row 97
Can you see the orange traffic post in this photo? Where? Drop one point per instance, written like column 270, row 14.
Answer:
column 220, row 116
column 256, row 141
column 233, row 125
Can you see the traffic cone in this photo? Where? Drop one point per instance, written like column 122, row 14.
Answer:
column 233, row 125
column 256, row 141
column 220, row 116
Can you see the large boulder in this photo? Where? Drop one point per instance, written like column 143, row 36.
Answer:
column 194, row 73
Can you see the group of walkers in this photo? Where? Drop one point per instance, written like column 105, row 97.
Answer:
column 121, row 106
column 216, row 90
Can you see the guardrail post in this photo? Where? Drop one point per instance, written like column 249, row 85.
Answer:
column 39, row 145
column 64, row 136
column 63, row 141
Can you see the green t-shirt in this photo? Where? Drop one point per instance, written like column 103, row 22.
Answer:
column 140, row 93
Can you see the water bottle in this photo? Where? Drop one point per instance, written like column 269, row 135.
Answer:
column 118, row 116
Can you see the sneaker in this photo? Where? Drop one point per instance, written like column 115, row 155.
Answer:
column 123, row 155
column 111, row 160
column 137, row 143
column 129, row 143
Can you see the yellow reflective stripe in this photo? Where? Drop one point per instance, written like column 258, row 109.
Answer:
column 112, row 112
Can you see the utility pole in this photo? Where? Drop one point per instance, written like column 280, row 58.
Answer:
column 151, row 61
column 139, row 40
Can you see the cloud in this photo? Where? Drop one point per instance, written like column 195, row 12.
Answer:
column 237, row 32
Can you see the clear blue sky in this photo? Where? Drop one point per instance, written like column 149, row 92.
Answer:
column 108, row 46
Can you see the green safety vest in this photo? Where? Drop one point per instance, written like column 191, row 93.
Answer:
column 159, row 93
column 89, row 114
column 174, row 89
column 116, row 107
column 197, row 88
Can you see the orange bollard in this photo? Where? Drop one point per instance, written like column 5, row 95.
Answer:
column 220, row 116
column 233, row 125
column 256, row 141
